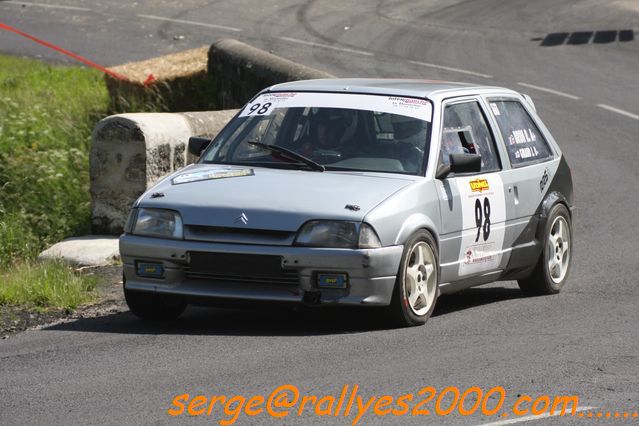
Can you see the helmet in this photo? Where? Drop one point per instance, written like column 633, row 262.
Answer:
column 332, row 127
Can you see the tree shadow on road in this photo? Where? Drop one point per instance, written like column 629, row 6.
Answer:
column 265, row 321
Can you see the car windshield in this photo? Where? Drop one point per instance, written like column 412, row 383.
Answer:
column 337, row 131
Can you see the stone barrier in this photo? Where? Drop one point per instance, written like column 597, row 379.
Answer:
column 240, row 71
column 130, row 152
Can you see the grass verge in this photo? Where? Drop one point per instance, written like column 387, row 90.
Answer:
column 47, row 113
column 43, row 285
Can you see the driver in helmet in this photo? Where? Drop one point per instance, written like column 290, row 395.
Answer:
column 329, row 134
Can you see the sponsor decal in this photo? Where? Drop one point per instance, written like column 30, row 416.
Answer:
column 410, row 101
column 480, row 253
column 544, row 180
column 210, row 174
column 479, row 185
column 266, row 103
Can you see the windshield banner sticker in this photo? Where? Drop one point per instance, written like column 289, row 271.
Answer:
column 410, row 107
column 210, row 174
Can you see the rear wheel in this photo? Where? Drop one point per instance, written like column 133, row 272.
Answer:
column 551, row 272
column 153, row 306
column 416, row 289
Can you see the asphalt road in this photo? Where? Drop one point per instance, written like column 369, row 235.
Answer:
column 583, row 342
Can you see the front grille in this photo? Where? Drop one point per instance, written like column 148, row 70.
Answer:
column 238, row 235
column 240, row 268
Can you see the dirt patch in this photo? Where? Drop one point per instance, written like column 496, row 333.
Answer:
column 14, row 319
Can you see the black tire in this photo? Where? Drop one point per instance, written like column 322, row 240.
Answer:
column 153, row 306
column 401, row 309
column 542, row 280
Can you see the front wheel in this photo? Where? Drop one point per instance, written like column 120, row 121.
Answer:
column 153, row 306
column 551, row 272
column 417, row 286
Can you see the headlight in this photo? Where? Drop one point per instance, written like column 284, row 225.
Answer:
column 158, row 223
column 368, row 239
column 337, row 234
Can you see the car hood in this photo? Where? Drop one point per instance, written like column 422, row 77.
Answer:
column 270, row 199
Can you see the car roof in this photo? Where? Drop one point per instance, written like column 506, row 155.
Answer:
column 381, row 86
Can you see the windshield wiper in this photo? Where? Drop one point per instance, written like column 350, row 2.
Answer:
column 291, row 155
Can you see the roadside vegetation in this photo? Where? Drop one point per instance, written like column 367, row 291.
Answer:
column 47, row 113
column 44, row 285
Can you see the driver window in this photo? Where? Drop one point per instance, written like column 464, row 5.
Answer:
column 465, row 131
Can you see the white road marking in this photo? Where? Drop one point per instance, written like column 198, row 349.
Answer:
column 182, row 21
column 547, row 90
column 441, row 67
column 619, row 111
column 49, row 6
column 537, row 417
column 326, row 46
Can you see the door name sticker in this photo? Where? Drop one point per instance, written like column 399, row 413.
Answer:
column 409, row 107
column 483, row 219
column 526, row 153
column 521, row 136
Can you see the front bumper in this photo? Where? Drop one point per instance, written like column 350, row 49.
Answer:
column 371, row 272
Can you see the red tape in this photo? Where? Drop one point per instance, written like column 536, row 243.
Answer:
column 82, row 59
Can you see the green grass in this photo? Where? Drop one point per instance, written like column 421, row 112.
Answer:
column 43, row 285
column 47, row 114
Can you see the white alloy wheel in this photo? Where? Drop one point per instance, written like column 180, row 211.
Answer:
column 551, row 271
column 558, row 251
column 420, row 278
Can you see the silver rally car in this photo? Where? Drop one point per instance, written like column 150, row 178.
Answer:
column 365, row 192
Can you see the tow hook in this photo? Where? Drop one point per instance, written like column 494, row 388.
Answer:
column 311, row 298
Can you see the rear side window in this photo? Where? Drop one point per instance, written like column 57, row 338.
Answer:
column 524, row 142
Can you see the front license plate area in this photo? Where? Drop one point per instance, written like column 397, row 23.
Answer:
column 332, row 280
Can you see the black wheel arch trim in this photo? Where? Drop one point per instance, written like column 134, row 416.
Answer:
column 529, row 243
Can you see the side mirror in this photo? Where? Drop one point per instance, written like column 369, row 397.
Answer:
column 197, row 144
column 465, row 163
column 459, row 163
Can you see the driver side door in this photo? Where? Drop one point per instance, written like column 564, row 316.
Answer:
column 472, row 205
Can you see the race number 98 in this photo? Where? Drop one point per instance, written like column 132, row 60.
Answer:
column 482, row 218
column 259, row 109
